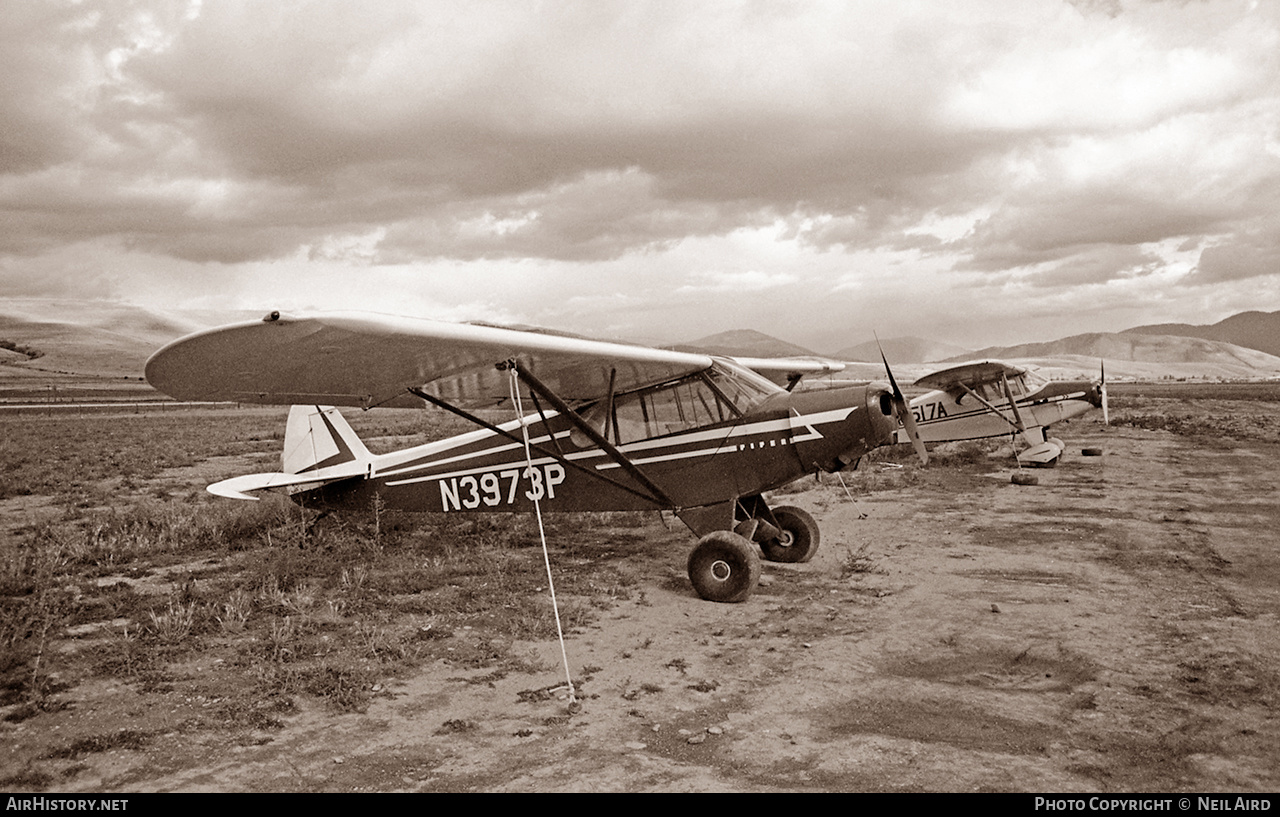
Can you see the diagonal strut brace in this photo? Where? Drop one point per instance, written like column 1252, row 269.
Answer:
column 538, row 387
column 555, row 455
column 991, row 408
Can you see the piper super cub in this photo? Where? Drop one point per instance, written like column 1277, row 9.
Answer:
column 608, row 427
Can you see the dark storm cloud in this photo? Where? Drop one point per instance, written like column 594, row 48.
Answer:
column 1245, row 257
column 295, row 107
column 1059, row 144
column 1036, row 232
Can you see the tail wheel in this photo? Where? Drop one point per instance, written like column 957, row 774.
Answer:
column 724, row 567
column 798, row 540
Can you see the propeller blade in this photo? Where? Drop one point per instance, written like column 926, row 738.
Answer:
column 909, row 422
column 1102, row 388
column 903, row 411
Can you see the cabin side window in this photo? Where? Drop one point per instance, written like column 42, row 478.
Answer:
column 685, row 405
column 719, row 394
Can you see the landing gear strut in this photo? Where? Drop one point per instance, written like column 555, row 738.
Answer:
column 798, row 540
column 725, row 564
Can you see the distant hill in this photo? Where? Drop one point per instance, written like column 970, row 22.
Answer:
column 901, row 350
column 1252, row 330
column 1138, row 355
column 42, row 337
column 744, row 343
column 92, row 338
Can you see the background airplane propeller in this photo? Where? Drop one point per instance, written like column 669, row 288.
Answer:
column 1102, row 391
column 903, row 411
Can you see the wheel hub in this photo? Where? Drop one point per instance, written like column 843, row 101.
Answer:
column 720, row 570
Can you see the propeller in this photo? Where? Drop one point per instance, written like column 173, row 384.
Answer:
column 1102, row 391
column 903, row 411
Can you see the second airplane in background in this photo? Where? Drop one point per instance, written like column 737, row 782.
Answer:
column 991, row 398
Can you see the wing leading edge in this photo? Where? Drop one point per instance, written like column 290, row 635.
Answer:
column 366, row 360
column 787, row 371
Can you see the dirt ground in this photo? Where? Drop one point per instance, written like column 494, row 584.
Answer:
column 1113, row 628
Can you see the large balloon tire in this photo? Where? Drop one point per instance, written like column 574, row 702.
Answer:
column 799, row 538
column 724, row 567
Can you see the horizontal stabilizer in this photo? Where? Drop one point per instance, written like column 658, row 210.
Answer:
column 241, row 487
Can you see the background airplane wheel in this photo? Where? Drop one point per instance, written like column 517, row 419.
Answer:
column 1022, row 478
column 724, row 567
column 799, row 539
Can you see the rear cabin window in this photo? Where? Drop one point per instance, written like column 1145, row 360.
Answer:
column 994, row 392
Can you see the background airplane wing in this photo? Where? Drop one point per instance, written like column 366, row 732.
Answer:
column 970, row 374
column 366, row 360
column 784, row 370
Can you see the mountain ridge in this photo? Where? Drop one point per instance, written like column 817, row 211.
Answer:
column 1252, row 330
column 108, row 339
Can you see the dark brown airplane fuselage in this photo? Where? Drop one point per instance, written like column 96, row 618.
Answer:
column 778, row 441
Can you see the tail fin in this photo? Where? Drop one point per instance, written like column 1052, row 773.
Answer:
column 319, row 437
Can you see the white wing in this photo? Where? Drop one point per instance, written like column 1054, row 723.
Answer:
column 970, row 374
column 785, row 370
column 353, row 359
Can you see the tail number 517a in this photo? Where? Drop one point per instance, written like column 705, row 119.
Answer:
column 498, row 488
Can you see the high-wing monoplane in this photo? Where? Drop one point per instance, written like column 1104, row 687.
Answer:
column 992, row 399
column 596, row 426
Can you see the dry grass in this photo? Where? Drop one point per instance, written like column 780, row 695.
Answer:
column 291, row 604
column 132, row 579
column 1228, row 411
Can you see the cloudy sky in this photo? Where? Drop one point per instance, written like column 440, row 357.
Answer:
column 979, row 171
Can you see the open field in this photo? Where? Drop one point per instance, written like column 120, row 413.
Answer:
column 1113, row 628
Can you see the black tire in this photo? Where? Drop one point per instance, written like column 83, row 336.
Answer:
column 799, row 539
column 724, row 567
column 1091, row 452
column 1023, row 478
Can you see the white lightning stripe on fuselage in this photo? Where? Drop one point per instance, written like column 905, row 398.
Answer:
column 410, row 454
column 981, row 423
column 718, row 436
column 982, row 411
column 514, row 465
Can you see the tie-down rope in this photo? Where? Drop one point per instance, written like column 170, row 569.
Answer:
column 542, row 534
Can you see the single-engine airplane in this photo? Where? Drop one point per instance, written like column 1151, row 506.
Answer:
column 612, row 427
column 992, row 398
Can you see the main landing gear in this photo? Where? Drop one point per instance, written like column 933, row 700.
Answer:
column 725, row 565
column 797, row 539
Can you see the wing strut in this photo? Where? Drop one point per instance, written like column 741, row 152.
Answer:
column 617, row 456
column 555, row 455
column 991, row 408
column 1013, row 404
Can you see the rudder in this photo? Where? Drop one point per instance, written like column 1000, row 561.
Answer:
column 319, row 437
